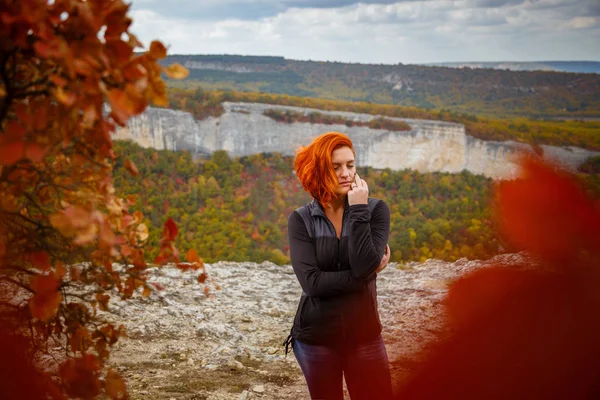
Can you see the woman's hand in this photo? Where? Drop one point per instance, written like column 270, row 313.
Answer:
column 384, row 260
column 359, row 191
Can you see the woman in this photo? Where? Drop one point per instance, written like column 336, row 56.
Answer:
column 338, row 244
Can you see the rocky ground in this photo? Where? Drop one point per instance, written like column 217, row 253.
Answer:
column 183, row 344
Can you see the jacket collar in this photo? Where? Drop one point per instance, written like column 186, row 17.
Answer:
column 316, row 209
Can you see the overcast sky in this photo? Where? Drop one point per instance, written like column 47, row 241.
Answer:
column 376, row 31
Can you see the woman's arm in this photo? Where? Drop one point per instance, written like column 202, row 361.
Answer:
column 368, row 234
column 315, row 282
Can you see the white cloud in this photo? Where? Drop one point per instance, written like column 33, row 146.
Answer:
column 406, row 31
column 582, row 22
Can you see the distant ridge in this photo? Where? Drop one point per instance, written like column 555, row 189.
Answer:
column 584, row 67
column 481, row 91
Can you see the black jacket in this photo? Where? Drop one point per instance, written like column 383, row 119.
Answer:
column 339, row 300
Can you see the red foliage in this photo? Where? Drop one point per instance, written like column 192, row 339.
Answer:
column 18, row 378
column 548, row 213
column 61, row 62
column 526, row 333
column 168, row 252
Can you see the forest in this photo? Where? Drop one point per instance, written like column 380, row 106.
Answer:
column 237, row 209
column 498, row 93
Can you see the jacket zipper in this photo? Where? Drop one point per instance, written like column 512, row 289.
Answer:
column 339, row 265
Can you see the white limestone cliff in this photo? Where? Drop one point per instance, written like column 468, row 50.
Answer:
column 429, row 146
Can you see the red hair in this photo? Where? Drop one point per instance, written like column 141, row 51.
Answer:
column 314, row 167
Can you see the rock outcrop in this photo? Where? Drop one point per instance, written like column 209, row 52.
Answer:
column 183, row 344
column 429, row 146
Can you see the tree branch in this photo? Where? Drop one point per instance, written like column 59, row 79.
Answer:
column 7, row 101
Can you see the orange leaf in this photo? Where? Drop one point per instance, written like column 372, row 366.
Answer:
column 65, row 97
column 115, row 385
column 90, row 115
column 126, row 103
column 138, row 216
column 134, row 71
column 100, row 347
column 126, row 250
column 121, row 105
column 167, row 253
column 548, row 213
column 15, row 131
column 47, row 49
column 80, row 376
column 184, row 266
column 40, row 118
column 103, row 300
column 130, row 166
column 35, row 152
column 488, row 286
column 40, row 260
column 157, row 50
column 202, row 277
column 107, row 236
column 141, row 232
column 11, row 152
column 86, row 235
column 192, row 256
column 58, row 80
column 46, row 299
column 159, row 98
column 119, row 51
column 62, row 223
column 78, row 217
column 176, row 71
column 60, row 270
column 133, row 40
column 26, row 119
column 83, row 67
column 80, row 340
column 170, row 230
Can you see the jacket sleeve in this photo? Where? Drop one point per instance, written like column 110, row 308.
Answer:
column 314, row 282
column 368, row 235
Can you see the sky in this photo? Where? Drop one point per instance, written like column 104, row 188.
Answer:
column 375, row 31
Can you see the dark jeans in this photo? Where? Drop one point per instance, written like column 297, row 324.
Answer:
column 365, row 368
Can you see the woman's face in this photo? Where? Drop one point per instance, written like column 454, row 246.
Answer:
column 344, row 167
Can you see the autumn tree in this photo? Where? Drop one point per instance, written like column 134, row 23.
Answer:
column 69, row 74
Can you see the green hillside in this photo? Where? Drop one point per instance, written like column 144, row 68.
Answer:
column 237, row 209
column 484, row 91
column 586, row 134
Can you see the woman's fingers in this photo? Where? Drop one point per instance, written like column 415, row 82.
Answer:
column 359, row 191
column 360, row 183
column 384, row 260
